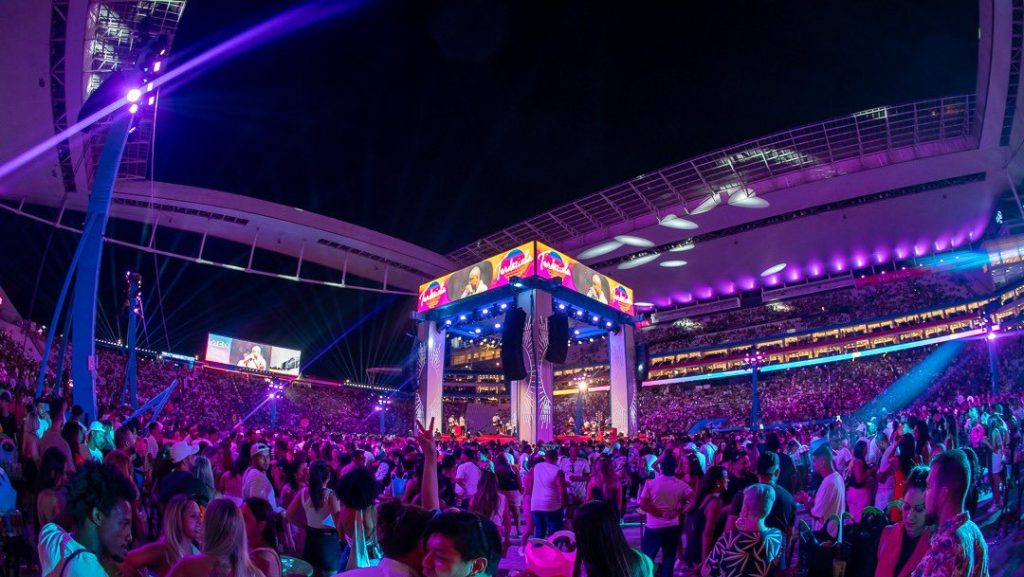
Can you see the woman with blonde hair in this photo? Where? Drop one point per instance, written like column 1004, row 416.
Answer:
column 182, row 532
column 225, row 547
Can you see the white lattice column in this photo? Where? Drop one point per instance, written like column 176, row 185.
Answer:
column 622, row 359
column 430, row 366
column 534, row 396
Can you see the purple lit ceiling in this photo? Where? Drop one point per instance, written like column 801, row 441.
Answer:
column 810, row 246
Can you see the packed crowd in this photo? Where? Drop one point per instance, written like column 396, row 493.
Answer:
column 181, row 497
column 813, row 311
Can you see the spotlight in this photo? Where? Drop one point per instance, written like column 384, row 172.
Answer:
column 503, row 306
column 608, row 324
column 576, row 332
column 462, row 318
column 134, row 95
column 561, row 306
column 579, row 313
column 156, row 66
column 477, row 331
column 497, row 325
column 486, row 311
column 448, row 322
column 595, row 318
column 133, row 108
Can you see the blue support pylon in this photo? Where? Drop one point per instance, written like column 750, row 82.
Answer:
column 135, row 314
column 87, row 275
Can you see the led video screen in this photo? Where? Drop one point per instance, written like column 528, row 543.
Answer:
column 485, row 275
column 251, row 355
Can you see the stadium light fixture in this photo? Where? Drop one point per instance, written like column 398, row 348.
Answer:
column 773, row 269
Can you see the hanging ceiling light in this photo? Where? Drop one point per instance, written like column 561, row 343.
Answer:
column 746, row 198
column 639, row 261
column 713, row 200
column 600, row 249
column 634, row 241
column 673, row 263
column 682, row 246
column 673, row 221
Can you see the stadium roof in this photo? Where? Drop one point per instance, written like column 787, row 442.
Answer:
column 877, row 183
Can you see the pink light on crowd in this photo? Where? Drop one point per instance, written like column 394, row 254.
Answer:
column 748, row 283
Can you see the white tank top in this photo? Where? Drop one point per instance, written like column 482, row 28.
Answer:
column 317, row 518
column 545, row 495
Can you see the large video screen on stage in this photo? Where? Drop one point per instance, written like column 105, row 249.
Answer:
column 487, row 274
column 576, row 276
column 252, row 355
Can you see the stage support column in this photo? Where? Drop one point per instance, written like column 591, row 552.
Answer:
column 622, row 360
column 533, row 397
column 430, row 366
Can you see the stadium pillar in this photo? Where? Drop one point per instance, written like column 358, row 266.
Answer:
column 83, row 307
column 622, row 362
column 533, row 397
column 993, row 366
column 430, row 365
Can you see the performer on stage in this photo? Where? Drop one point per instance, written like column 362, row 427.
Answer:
column 596, row 291
column 475, row 286
column 253, row 359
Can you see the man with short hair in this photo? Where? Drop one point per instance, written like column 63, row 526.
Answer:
column 663, row 499
column 782, row 515
column 830, row 499
column 100, row 502
column 787, row 469
column 467, row 477
column 958, row 548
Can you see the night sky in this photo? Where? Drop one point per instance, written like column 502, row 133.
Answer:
column 441, row 122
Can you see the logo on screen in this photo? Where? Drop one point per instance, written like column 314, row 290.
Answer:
column 556, row 266
column 432, row 294
column 515, row 263
column 622, row 298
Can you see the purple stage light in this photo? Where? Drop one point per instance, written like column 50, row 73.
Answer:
column 133, row 108
column 815, row 269
column 133, row 95
column 991, row 336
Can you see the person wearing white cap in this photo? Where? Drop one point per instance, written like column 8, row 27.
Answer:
column 256, row 483
column 180, row 481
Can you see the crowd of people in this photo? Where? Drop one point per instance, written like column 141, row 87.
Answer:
column 185, row 496
column 874, row 300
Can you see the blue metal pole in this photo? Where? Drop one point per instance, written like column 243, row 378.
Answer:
column 755, row 399
column 62, row 353
column 87, row 276
column 61, row 299
column 993, row 366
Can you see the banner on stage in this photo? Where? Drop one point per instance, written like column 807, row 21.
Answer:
column 475, row 279
column 251, row 355
column 576, row 276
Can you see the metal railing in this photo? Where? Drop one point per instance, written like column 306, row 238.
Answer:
column 822, row 150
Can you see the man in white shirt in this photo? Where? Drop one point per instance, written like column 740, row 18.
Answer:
column 99, row 500
column 255, row 483
column 830, row 499
column 467, row 477
column 842, row 455
column 577, row 473
column 663, row 499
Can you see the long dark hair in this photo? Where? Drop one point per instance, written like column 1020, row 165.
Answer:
column 244, row 458
column 908, row 450
column 51, row 469
column 601, row 547
column 263, row 512
column 707, row 484
column 319, row 475
column 485, row 501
